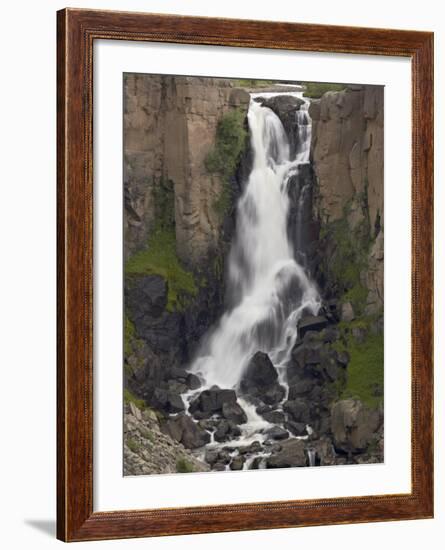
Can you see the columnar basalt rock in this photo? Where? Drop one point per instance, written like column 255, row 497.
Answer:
column 170, row 125
column 347, row 157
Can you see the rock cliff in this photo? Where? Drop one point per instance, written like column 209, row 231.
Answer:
column 170, row 125
column 347, row 157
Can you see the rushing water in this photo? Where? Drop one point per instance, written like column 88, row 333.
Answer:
column 267, row 288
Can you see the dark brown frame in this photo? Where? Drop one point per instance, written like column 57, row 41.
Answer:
column 76, row 32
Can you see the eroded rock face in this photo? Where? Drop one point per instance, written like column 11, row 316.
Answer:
column 347, row 151
column 170, row 125
column 353, row 425
column 149, row 450
column 347, row 155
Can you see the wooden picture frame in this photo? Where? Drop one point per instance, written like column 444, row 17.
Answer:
column 76, row 32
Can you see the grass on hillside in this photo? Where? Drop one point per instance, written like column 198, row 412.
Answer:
column 160, row 258
column 315, row 90
column 365, row 368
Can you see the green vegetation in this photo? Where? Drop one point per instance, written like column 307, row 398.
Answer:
column 131, row 398
column 129, row 336
column 163, row 196
column 183, row 466
column 315, row 90
column 365, row 369
column 160, row 258
column 223, row 159
column 145, row 432
column 252, row 83
column 348, row 260
column 133, row 445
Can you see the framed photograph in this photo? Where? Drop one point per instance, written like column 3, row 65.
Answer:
column 245, row 229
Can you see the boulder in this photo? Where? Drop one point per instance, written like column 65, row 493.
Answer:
column 260, row 371
column 254, row 447
column 273, row 395
column 311, row 323
column 182, row 429
column 234, row 413
column 347, row 312
column 237, row 463
column 274, row 417
column 324, row 452
column 277, row 433
column 260, row 380
column 291, row 454
column 211, row 401
column 193, row 382
column 296, row 428
column 302, row 387
column 298, row 409
column 353, row 425
column 167, row 401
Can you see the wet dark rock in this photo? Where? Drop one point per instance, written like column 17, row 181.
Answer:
column 277, row 433
column 262, row 408
column 193, row 382
column 211, row 456
column 260, row 372
column 234, row 413
column 274, row 417
column 285, row 106
column 260, row 380
column 291, row 454
column 254, row 447
column 211, row 401
column 273, row 395
column 324, row 452
column 296, row 428
column 183, row 429
column 219, row 467
column 166, row 401
column 177, row 373
column 222, row 431
column 256, row 463
column 311, row 323
column 237, row 463
column 298, row 409
column 302, row 387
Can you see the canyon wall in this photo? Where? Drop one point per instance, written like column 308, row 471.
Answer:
column 170, row 125
column 347, row 157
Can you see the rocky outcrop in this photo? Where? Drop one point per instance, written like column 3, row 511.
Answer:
column 347, row 153
column 285, row 107
column 147, row 450
column 170, row 125
column 354, row 425
column 347, row 156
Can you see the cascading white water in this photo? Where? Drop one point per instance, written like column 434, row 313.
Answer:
column 268, row 288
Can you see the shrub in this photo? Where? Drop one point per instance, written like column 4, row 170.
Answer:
column 131, row 398
column 365, row 368
column 223, row 159
column 133, row 445
column 315, row 90
column 183, row 466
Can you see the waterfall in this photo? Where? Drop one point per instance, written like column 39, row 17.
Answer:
column 268, row 289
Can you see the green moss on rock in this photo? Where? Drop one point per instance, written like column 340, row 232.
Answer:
column 315, row 90
column 129, row 397
column 223, row 159
column 160, row 258
column 365, row 368
column 183, row 466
